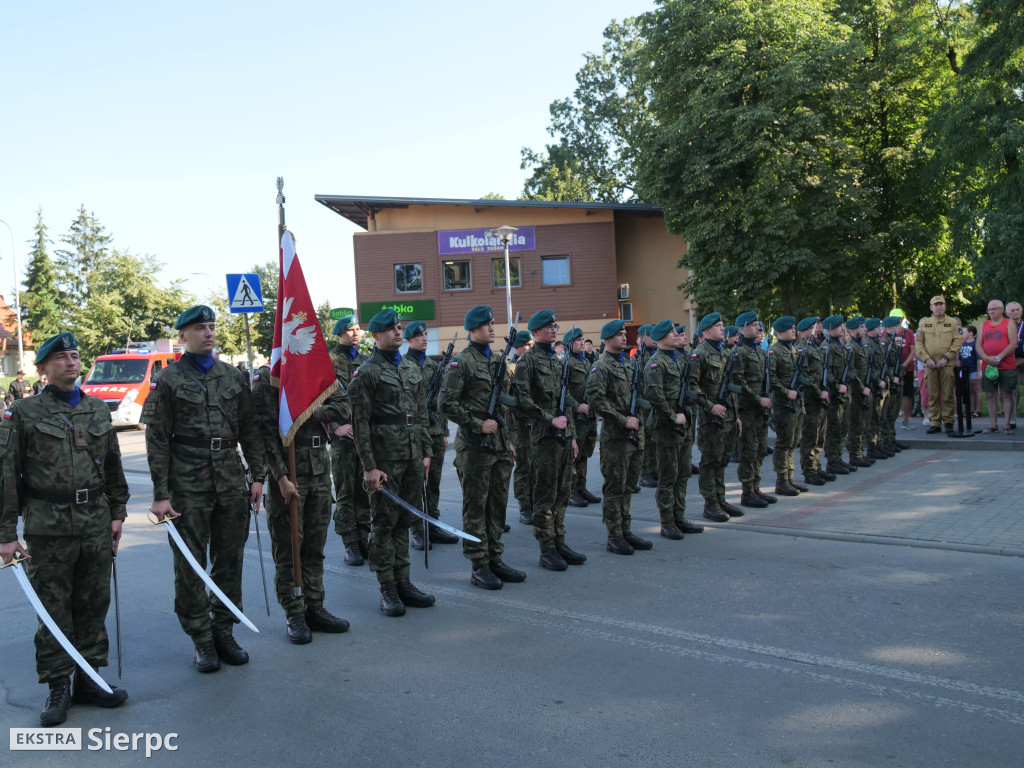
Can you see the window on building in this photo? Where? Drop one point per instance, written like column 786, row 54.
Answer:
column 408, row 278
column 626, row 311
column 457, row 276
column 554, row 270
column 498, row 272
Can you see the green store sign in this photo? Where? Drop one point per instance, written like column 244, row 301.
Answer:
column 407, row 310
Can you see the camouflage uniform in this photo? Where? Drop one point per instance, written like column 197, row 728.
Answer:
column 754, row 440
column 312, row 476
column 663, row 380
column 484, row 474
column 538, row 384
column 714, row 441
column 69, row 543
column 879, row 395
column 859, row 412
column 586, row 425
column 519, row 426
column 609, row 394
column 194, row 422
column 352, row 508
column 839, row 404
column 783, row 361
column 893, row 400
column 437, row 429
column 813, row 433
column 390, row 424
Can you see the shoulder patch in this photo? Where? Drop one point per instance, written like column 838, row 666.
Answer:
column 654, row 365
column 355, row 373
column 594, row 368
column 454, row 364
column 8, row 413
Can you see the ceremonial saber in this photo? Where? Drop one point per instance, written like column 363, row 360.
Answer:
column 190, row 559
column 259, row 546
column 410, row 508
column 426, row 530
column 45, row 617
column 117, row 610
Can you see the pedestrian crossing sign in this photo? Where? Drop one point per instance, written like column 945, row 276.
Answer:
column 244, row 293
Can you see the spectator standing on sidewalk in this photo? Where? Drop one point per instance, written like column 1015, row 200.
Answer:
column 996, row 350
column 938, row 342
column 1014, row 311
column 969, row 362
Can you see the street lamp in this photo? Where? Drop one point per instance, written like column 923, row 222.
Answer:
column 505, row 235
column 17, row 298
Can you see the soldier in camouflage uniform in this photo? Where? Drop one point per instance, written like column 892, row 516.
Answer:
column 786, row 401
column 609, row 393
column 519, row 425
column 893, row 402
column 352, row 506
column 415, row 334
column 860, row 394
column 754, row 404
column 586, row 422
column 717, row 422
column 839, row 398
column 61, row 472
column 672, row 428
column 198, row 413
column 311, row 487
column 552, row 441
column 648, row 455
column 484, row 472
column 817, row 401
column 879, row 389
column 389, row 418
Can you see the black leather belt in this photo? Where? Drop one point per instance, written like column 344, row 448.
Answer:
column 81, row 496
column 395, row 421
column 316, row 441
column 209, row 443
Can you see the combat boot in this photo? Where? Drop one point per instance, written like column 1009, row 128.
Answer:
column 206, row 659
column 848, row 466
column 783, row 488
column 352, row 554
column 416, row 538
column 685, row 526
column 412, row 596
column 319, row 619
column 229, row 651
column 553, row 561
column 390, row 603
column 575, row 500
column 619, row 546
column 58, row 700
column 506, row 572
column 589, row 496
column 648, row 481
column 731, row 509
column 767, row 497
column 813, row 478
column 713, row 512
column 297, row 629
column 571, row 556
column 441, row 536
column 85, row 691
column 857, row 461
column 636, row 542
column 525, row 516
column 483, row 577
column 670, row 531
column 800, row 487
column 749, row 499
column 838, row 469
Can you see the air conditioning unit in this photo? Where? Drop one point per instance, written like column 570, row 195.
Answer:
column 623, row 291
column 626, row 312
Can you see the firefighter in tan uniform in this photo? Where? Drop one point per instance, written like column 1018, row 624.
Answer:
column 939, row 339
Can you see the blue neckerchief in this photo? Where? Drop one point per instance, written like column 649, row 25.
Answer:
column 787, row 344
column 345, row 349
column 580, row 356
column 720, row 346
column 483, row 349
column 752, row 342
column 545, row 347
column 422, row 357
column 202, row 363
column 394, row 357
column 72, row 398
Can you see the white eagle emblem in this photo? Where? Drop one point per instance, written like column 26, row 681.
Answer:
column 294, row 337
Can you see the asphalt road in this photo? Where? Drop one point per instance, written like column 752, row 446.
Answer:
column 730, row 648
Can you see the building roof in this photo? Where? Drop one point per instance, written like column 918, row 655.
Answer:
column 357, row 208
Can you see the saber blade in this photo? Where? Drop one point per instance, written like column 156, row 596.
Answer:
column 117, row 613
column 180, row 544
column 45, row 617
column 259, row 546
column 442, row 525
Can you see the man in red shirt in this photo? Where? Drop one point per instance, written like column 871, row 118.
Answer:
column 996, row 348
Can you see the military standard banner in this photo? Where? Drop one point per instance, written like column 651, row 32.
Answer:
column 300, row 363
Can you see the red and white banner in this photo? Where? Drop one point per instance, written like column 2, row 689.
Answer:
column 300, row 363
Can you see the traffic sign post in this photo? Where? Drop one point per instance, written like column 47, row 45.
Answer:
column 244, row 296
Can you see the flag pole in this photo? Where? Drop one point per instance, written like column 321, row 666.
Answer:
column 293, row 506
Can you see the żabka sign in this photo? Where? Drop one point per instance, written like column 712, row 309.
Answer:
column 454, row 242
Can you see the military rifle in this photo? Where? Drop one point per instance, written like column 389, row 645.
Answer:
column 724, row 394
column 865, row 401
column 768, row 381
column 824, row 373
column 434, row 389
column 794, row 383
column 884, row 375
column 562, row 393
column 497, row 385
column 683, row 401
column 634, row 391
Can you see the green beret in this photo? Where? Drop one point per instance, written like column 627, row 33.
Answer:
column 611, row 328
column 831, row 322
column 854, row 322
column 746, row 319
column 731, row 330
column 56, row 343
column 477, row 316
column 571, row 336
column 806, row 324
column 680, row 329
column 199, row 314
column 382, row 321
column 784, row 323
column 540, row 319
column 522, row 339
column 708, row 320
column 892, row 320
column 662, row 329
column 344, row 323
column 414, row 328
column 871, row 323
column 643, row 330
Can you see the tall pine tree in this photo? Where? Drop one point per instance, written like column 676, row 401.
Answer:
column 89, row 247
column 40, row 311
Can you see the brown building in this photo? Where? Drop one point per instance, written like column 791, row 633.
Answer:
column 432, row 260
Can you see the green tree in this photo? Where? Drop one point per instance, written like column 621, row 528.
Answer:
column 40, row 312
column 262, row 327
column 88, row 248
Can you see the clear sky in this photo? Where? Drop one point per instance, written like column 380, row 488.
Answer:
column 172, row 122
